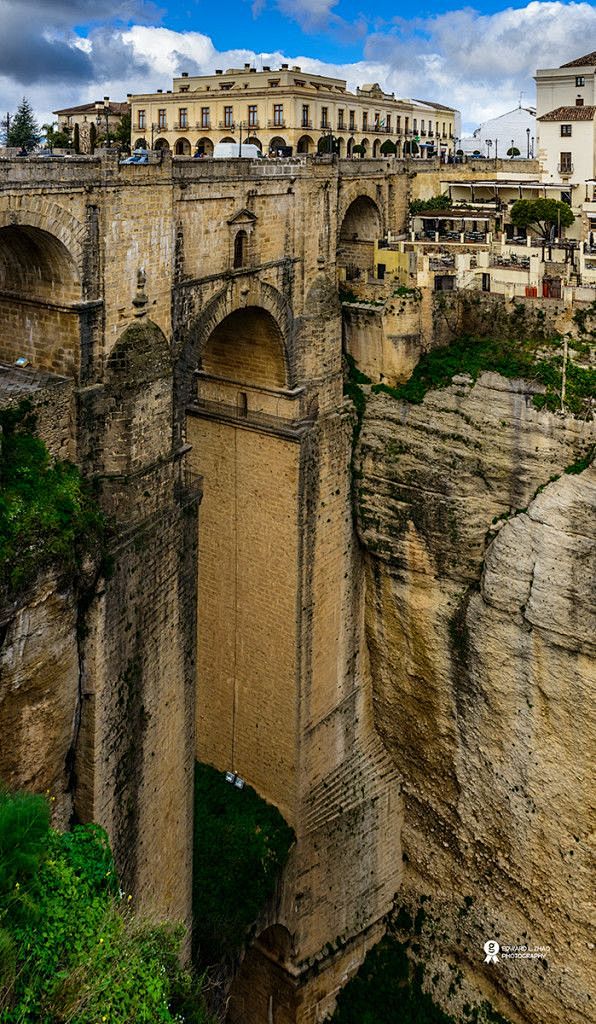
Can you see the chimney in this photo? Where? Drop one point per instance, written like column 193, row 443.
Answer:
column 218, row 71
column 160, row 90
column 285, row 67
column 266, row 67
column 185, row 74
column 296, row 68
column 247, row 67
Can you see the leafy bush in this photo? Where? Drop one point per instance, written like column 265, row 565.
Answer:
column 70, row 949
column 231, row 887
column 442, row 202
column 47, row 512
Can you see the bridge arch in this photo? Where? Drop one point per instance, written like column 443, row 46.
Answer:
column 360, row 225
column 40, row 294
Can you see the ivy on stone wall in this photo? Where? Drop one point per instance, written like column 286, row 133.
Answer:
column 48, row 515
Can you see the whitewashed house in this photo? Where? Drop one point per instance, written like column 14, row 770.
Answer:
column 515, row 129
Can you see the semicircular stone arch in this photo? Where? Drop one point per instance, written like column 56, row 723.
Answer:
column 361, row 221
column 50, row 217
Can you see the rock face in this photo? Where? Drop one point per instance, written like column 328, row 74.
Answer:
column 480, row 635
column 39, row 693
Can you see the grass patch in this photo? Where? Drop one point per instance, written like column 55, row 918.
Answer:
column 537, row 361
column 240, row 846
column 71, row 948
column 48, row 514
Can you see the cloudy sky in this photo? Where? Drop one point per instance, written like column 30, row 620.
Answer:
column 478, row 59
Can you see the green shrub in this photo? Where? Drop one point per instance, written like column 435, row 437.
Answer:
column 240, row 845
column 47, row 512
column 70, row 947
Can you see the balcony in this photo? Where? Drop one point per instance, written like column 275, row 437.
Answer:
column 138, row 127
column 230, row 125
column 206, row 127
column 305, row 123
column 325, row 126
column 181, row 126
column 252, row 125
column 380, row 129
column 565, row 169
column 276, row 124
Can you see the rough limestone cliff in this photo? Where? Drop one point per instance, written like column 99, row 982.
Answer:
column 480, row 628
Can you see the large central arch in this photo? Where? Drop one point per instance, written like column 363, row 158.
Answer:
column 39, row 290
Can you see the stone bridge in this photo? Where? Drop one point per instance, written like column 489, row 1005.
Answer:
column 181, row 322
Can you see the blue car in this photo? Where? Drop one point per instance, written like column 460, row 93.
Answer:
column 140, row 156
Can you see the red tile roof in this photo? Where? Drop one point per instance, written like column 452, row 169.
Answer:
column 570, row 114
column 582, row 62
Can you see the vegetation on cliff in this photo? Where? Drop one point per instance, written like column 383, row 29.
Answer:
column 71, row 947
column 537, row 360
column 47, row 511
column 390, row 986
column 240, row 845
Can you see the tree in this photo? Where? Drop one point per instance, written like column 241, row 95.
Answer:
column 55, row 139
column 76, row 139
column 24, row 130
column 120, row 135
column 92, row 138
column 388, row 148
column 358, row 149
column 513, row 151
column 542, row 214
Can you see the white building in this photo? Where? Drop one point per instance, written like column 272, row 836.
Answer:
column 515, row 129
column 566, row 119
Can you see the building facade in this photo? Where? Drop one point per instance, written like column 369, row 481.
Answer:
column 288, row 111
column 99, row 115
column 566, row 119
column 515, row 129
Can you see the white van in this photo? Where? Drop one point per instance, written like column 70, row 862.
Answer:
column 232, row 150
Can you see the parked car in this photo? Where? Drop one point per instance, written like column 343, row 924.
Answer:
column 233, row 150
column 140, row 156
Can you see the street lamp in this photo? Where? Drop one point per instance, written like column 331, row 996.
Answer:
column 104, row 110
column 489, row 143
column 528, row 139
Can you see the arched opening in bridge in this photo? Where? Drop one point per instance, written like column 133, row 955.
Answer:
column 360, row 228
column 240, row 431
column 240, row 249
column 205, row 147
column 39, row 292
column 162, row 144
column 252, row 141
column 276, row 145
column 182, row 147
column 262, row 990
column 246, row 348
column 305, row 144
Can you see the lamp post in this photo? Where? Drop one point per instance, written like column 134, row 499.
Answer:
column 104, row 110
column 532, row 147
column 528, row 139
column 154, row 128
column 489, row 143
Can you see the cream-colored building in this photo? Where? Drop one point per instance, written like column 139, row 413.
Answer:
column 102, row 114
column 288, row 111
column 566, row 121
